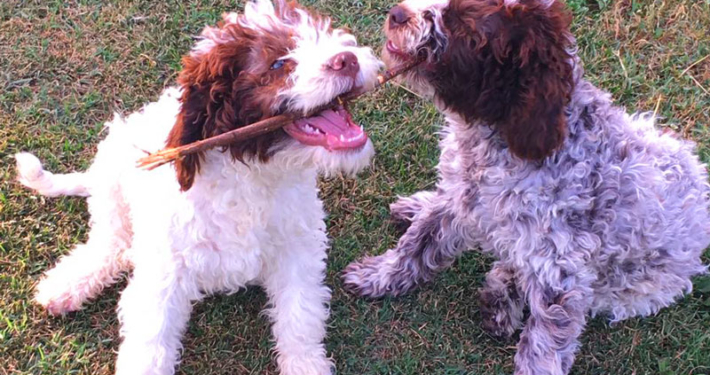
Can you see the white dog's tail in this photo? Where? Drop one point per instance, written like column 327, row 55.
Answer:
column 31, row 174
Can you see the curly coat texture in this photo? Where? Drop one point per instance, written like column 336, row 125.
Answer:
column 586, row 209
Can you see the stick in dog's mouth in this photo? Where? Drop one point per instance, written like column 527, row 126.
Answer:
column 334, row 111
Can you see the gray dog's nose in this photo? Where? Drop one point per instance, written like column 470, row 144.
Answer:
column 398, row 16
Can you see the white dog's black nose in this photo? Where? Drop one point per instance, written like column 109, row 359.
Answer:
column 345, row 63
column 398, row 16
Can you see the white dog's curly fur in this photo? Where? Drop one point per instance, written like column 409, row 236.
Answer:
column 586, row 209
column 248, row 215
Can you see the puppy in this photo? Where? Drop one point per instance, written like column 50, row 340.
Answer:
column 225, row 218
column 587, row 210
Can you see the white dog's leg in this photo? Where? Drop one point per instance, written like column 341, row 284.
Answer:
column 90, row 267
column 153, row 311
column 299, row 310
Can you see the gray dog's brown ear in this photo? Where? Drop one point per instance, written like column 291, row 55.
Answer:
column 539, row 40
column 510, row 67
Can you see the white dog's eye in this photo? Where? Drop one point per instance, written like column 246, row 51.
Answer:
column 278, row 64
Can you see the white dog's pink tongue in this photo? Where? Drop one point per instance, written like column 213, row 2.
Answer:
column 331, row 122
column 332, row 129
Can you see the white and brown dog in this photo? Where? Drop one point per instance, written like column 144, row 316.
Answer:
column 249, row 214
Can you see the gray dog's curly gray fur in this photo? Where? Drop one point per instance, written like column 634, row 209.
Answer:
column 614, row 222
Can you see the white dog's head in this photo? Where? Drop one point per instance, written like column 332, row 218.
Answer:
column 268, row 61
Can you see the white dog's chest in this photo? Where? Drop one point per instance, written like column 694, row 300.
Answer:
column 229, row 240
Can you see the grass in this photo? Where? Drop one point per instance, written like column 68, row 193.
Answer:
column 67, row 65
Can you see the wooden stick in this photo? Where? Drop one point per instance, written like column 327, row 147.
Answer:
column 268, row 125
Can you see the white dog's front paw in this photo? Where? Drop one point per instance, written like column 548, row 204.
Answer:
column 306, row 365
column 138, row 358
column 57, row 297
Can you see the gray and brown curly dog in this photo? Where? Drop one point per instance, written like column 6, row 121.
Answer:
column 586, row 209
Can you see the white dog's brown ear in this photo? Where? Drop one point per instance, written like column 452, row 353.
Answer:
column 188, row 128
column 229, row 81
column 208, row 106
column 509, row 66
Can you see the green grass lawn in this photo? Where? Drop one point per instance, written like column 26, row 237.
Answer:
column 65, row 66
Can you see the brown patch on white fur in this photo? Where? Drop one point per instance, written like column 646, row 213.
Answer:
column 230, row 86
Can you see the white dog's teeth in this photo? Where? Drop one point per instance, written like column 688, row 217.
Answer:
column 342, row 138
column 310, row 129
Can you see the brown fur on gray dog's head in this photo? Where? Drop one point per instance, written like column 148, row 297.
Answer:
column 508, row 66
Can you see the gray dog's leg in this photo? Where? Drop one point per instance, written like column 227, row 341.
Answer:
column 550, row 338
column 430, row 244
column 501, row 302
column 406, row 208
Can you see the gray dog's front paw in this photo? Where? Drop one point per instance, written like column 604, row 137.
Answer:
column 375, row 277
